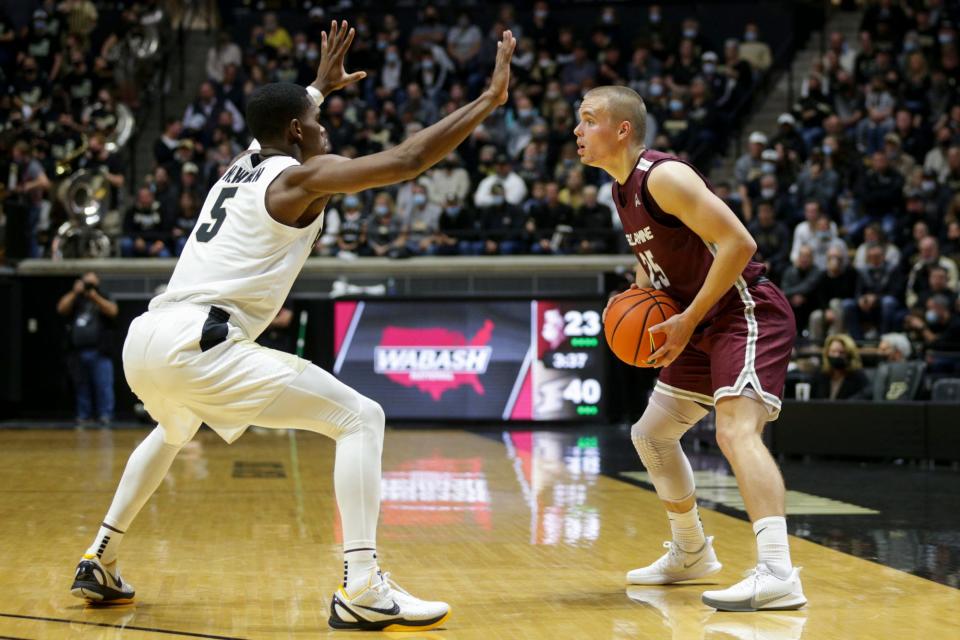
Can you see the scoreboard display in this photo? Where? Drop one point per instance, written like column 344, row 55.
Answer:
column 476, row 359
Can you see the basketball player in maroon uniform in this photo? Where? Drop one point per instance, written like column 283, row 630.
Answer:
column 728, row 349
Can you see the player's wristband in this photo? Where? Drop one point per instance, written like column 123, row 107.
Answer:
column 315, row 95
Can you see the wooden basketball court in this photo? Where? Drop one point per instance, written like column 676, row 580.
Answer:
column 523, row 536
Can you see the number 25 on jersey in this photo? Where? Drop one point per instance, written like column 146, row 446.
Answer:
column 657, row 277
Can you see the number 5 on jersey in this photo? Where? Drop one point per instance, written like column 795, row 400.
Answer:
column 654, row 271
column 208, row 230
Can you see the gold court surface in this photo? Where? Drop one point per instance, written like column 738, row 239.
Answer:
column 523, row 536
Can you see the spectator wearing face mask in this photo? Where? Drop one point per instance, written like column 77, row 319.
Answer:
column 421, row 225
column 386, row 234
column 939, row 331
column 754, row 51
column 352, row 234
column 841, row 376
column 454, row 230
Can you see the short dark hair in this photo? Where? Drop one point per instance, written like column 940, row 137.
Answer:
column 271, row 107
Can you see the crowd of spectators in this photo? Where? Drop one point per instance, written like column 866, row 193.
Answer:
column 516, row 186
column 63, row 78
column 854, row 200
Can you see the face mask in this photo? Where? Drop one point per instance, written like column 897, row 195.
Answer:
column 419, row 199
column 945, row 38
column 655, row 18
column 546, row 62
column 453, row 211
column 827, row 150
column 767, row 194
column 689, row 33
column 768, row 167
column 838, row 362
column 540, row 13
column 931, row 317
column 427, row 65
column 928, row 185
column 525, row 114
column 381, row 210
column 676, row 105
column 823, row 236
column 392, row 57
column 496, row 200
column 608, row 18
column 312, row 54
column 656, row 90
column 709, row 68
column 750, row 36
column 552, row 95
column 909, row 46
column 381, row 45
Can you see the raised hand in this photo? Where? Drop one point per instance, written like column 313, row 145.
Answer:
column 500, row 81
column 333, row 48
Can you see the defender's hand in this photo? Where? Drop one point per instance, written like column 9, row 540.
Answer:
column 500, row 81
column 678, row 330
column 333, row 48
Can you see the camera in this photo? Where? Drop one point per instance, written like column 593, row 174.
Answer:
column 89, row 286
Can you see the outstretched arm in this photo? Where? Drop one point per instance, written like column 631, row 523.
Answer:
column 682, row 193
column 332, row 174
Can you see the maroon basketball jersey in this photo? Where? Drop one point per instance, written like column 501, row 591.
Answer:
column 674, row 257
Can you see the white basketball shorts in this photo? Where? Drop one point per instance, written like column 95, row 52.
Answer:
column 188, row 365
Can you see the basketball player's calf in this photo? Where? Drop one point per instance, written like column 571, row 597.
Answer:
column 97, row 577
column 656, row 437
column 774, row 583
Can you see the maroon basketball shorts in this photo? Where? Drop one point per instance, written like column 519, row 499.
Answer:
column 743, row 350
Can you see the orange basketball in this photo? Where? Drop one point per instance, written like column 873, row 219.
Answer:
column 629, row 317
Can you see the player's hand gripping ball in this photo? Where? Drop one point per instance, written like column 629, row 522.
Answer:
column 629, row 317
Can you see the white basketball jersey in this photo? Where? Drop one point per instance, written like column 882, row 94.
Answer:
column 238, row 258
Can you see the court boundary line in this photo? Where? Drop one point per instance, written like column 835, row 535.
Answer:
column 118, row 626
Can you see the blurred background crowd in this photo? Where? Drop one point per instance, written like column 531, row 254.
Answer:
column 854, row 197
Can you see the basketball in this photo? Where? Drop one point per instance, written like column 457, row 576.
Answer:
column 628, row 320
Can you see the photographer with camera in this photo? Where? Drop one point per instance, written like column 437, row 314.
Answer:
column 91, row 313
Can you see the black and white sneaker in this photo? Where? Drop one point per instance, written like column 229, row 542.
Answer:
column 96, row 585
column 383, row 606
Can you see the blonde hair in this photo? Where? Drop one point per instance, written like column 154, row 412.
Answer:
column 849, row 346
column 623, row 103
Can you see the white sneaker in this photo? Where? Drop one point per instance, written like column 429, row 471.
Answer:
column 677, row 565
column 760, row 590
column 95, row 584
column 383, row 606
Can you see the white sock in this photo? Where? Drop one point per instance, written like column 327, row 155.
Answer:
column 106, row 544
column 146, row 468
column 358, row 564
column 773, row 549
column 687, row 529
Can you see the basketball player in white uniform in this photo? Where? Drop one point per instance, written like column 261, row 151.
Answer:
column 192, row 357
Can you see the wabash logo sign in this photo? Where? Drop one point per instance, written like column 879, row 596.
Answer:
column 434, row 360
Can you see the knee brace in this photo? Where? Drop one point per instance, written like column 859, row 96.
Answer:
column 656, row 437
